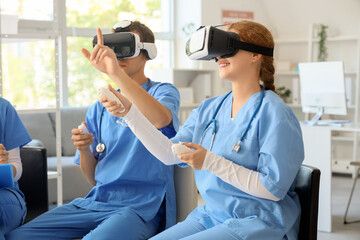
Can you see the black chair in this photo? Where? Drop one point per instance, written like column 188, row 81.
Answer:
column 307, row 188
column 33, row 181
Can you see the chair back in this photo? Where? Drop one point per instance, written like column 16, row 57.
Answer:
column 307, row 188
column 33, row 181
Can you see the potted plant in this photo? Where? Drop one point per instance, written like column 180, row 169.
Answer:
column 284, row 93
column 322, row 43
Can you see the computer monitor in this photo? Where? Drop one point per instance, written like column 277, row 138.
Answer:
column 322, row 88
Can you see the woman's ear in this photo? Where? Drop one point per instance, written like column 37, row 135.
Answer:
column 255, row 57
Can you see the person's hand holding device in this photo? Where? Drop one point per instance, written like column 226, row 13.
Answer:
column 81, row 137
column 190, row 153
column 114, row 102
column 4, row 155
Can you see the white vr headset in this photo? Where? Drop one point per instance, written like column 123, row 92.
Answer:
column 209, row 42
column 128, row 45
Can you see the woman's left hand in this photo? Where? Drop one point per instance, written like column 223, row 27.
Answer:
column 194, row 159
column 4, row 155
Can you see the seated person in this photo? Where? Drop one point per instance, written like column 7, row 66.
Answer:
column 133, row 195
column 13, row 136
column 245, row 147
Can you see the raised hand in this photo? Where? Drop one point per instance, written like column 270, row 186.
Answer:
column 102, row 57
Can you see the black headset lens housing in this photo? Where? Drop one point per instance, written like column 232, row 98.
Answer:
column 123, row 44
column 209, row 42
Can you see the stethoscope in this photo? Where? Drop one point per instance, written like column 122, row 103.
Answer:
column 100, row 147
column 236, row 146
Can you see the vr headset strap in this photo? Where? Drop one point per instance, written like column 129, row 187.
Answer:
column 254, row 48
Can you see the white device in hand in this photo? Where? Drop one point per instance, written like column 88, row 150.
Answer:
column 180, row 148
column 105, row 92
column 84, row 128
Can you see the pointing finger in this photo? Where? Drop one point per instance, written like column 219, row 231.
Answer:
column 100, row 38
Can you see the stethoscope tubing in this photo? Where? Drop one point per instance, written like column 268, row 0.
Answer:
column 100, row 121
column 212, row 120
column 100, row 146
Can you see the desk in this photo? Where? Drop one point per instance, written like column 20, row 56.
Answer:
column 317, row 145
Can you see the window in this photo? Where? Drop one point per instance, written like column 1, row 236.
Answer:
column 28, row 56
column 83, row 79
column 84, row 14
column 28, row 73
column 28, row 9
column 92, row 13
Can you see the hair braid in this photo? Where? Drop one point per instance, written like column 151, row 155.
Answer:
column 257, row 34
column 267, row 72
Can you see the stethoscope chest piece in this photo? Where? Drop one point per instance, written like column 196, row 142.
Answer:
column 100, row 147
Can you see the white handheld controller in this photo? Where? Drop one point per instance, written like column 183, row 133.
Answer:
column 105, row 92
column 84, row 128
column 180, row 148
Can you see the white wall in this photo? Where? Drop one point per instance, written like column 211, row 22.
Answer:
column 292, row 19
column 287, row 18
column 186, row 11
column 211, row 10
column 284, row 18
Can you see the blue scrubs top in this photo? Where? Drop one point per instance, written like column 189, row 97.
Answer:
column 127, row 174
column 13, row 134
column 273, row 146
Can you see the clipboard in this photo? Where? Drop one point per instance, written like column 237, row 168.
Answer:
column 6, row 176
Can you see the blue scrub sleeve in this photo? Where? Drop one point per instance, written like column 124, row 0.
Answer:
column 186, row 133
column 13, row 132
column 92, row 117
column 169, row 96
column 281, row 153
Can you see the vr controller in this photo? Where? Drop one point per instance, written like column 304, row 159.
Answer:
column 106, row 93
column 180, row 148
column 127, row 45
column 84, row 128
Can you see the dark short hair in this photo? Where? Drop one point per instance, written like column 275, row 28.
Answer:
column 145, row 34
